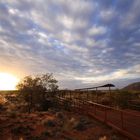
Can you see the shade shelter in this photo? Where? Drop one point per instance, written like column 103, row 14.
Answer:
column 106, row 85
column 96, row 88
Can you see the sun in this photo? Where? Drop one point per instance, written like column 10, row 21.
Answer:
column 8, row 81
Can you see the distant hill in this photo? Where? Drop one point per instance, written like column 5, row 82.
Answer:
column 133, row 86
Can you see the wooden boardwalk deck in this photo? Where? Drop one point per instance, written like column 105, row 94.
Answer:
column 128, row 123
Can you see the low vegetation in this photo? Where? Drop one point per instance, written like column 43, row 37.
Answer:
column 54, row 124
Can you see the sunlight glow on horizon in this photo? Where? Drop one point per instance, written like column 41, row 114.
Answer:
column 8, row 81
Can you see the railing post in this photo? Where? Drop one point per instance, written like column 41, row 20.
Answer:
column 105, row 109
column 74, row 103
column 77, row 102
column 95, row 109
column 87, row 95
column 59, row 95
column 122, row 121
column 70, row 94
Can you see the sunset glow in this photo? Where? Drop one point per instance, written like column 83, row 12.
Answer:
column 8, row 81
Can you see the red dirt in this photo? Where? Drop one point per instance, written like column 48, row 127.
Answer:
column 49, row 126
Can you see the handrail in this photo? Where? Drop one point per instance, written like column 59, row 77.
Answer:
column 114, row 109
column 104, row 116
column 108, row 107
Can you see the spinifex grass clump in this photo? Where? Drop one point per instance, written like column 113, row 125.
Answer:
column 49, row 123
column 19, row 130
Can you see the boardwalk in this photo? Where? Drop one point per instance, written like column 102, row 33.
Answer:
column 126, row 122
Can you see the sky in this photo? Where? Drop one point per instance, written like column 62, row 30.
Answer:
column 83, row 43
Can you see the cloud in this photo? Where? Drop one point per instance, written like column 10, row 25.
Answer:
column 71, row 23
column 107, row 15
column 97, row 30
column 82, row 42
column 127, row 73
column 132, row 16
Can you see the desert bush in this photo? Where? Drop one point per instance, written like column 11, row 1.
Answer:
column 1, row 131
column 13, row 115
column 34, row 89
column 45, row 105
column 35, row 137
column 2, row 108
column 114, row 137
column 49, row 123
column 68, row 138
column 67, row 105
column 122, row 99
column 85, row 121
column 18, row 130
column 47, row 134
column 51, row 110
column 59, row 115
column 105, row 101
column 80, row 126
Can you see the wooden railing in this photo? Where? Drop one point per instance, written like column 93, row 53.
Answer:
column 127, row 123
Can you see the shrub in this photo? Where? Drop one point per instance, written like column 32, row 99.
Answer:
column 47, row 133
column 122, row 99
column 34, row 138
column 2, row 108
column 21, row 130
column 60, row 115
column 67, row 105
column 80, row 126
column 105, row 101
column 17, row 130
column 13, row 115
column 49, row 123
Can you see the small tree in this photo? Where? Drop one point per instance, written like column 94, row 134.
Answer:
column 33, row 89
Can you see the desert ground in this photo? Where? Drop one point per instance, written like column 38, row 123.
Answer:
column 54, row 124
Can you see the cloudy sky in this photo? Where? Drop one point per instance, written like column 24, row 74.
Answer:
column 82, row 42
